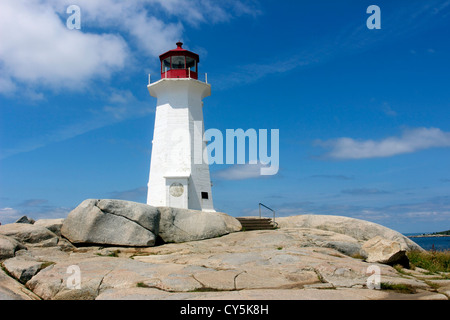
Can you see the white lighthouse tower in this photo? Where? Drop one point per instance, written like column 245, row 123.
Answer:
column 177, row 178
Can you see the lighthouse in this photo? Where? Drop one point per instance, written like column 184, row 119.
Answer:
column 177, row 179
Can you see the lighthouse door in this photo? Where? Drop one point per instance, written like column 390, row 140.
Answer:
column 177, row 192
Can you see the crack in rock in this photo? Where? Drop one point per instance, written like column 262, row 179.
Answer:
column 126, row 218
column 235, row 278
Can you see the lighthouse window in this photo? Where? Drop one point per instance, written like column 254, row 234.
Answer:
column 178, row 62
column 166, row 65
column 205, row 196
column 191, row 63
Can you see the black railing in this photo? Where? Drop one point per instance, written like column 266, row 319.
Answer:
column 263, row 205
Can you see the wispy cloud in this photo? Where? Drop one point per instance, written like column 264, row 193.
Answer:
column 364, row 191
column 9, row 215
column 122, row 106
column 33, row 208
column 33, row 203
column 239, row 172
column 352, row 39
column 388, row 110
column 137, row 194
column 333, row 176
column 411, row 140
column 434, row 211
column 58, row 135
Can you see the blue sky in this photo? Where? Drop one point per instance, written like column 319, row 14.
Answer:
column 363, row 114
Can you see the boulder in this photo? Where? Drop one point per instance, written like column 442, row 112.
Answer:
column 359, row 229
column 183, row 225
column 54, row 225
column 23, row 267
column 10, row 289
column 384, row 251
column 30, row 234
column 8, row 247
column 25, row 219
column 112, row 222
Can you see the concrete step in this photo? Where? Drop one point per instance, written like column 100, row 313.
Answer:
column 251, row 224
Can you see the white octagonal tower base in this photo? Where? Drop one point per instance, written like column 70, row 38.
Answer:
column 176, row 180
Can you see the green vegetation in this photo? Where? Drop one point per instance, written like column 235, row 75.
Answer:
column 445, row 233
column 399, row 268
column 400, row 288
column 46, row 264
column 142, row 285
column 358, row 256
column 433, row 261
column 114, row 254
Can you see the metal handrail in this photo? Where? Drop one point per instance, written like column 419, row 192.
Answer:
column 263, row 205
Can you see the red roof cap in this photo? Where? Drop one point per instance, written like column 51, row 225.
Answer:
column 180, row 51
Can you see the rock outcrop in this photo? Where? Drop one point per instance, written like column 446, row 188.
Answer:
column 360, row 230
column 8, row 247
column 23, row 267
column 292, row 262
column 11, row 289
column 266, row 265
column 54, row 225
column 112, row 222
column 30, row 234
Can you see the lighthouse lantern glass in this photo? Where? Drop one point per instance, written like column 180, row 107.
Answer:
column 165, row 65
column 178, row 62
column 191, row 63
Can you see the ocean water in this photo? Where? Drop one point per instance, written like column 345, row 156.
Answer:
column 440, row 243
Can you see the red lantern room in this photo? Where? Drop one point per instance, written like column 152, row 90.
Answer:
column 179, row 63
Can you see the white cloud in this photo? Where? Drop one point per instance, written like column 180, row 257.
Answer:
column 410, row 141
column 34, row 209
column 8, row 215
column 39, row 50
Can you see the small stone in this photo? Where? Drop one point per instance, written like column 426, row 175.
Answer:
column 25, row 219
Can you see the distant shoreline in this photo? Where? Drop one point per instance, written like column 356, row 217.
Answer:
column 429, row 236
